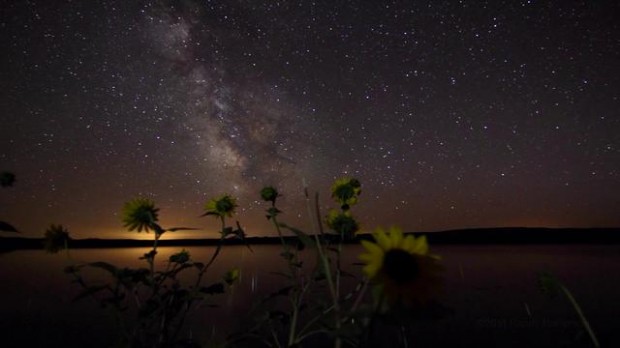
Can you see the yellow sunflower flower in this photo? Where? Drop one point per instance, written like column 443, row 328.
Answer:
column 221, row 206
column 346, row 191
column 342, row 223
column 140, row 214
column 402, row 266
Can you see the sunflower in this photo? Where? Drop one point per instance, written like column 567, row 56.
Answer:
column 56, row 239
column 342, row 223
column 401, row 266
column 221, row 206
column 346, row 191
column 140, row 214
column 269, row 194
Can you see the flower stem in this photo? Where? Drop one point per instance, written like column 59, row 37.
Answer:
column 293, row 328
column 295, row 301
column 325, row 264
column 584, row 321
column 215, row 254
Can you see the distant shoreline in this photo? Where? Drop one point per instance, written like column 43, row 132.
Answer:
column 509, row 235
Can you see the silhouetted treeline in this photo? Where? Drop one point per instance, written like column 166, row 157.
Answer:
column 510, row 235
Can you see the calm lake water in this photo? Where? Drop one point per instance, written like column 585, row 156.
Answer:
column 491, row 297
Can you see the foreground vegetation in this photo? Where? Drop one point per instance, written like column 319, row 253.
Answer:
column 399, row 279
column 150, row 305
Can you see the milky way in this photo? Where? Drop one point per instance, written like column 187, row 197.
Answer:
column 452, row 114
column 239, row 124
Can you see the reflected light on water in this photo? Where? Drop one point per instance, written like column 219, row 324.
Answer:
column 481, row 282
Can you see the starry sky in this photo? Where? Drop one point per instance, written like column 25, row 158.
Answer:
column 452, row 114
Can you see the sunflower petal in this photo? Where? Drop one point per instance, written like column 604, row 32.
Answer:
column 421, row 246
column 396, row 235
column 372, row 247
column 382, row 239
column 371, row 270
column 409, row 244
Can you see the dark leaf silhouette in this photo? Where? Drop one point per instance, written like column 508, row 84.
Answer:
column 105, row 266
column 174, row 229
column 303, row 237
column 91, row 290
column 6, row 227
column 282, row 292
column 213, row 289
column 7, row 179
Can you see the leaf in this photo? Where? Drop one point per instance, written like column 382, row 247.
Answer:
column 333, row 249
column 130, row 277
column 91, row 290
column 6, row 227
column 174, row 229
column 272, row 212
column 72, row 269
column 241, row 235
column 227, row 231
column 347, row 274
column 303, row 237
column 149, row 256
column 180, row 257
column 7, row 179
column 287, row 255
column 319, row 274
column 548, row 284
column 213, row 289
column 232, row 276
column 179, row 269
column 149, row 308
column 282, row 274
column 158, row 230
column 282, row 292
column 281, row 316
column 105, row 266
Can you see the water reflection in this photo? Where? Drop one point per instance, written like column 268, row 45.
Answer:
column 485, row 286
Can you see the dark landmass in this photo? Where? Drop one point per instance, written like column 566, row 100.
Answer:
column 525, row 235
column 509, row 235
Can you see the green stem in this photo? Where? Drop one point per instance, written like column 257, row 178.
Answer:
column 584, row 321
column 286, row 248
column 219, row 245
column 311, row 333
column 275, row 338
column 371, row 325
column 325, row 264
column 200, row 275
column 152, row 259
column 338, row 266
column 296, row 300
column 303, row 333
column 291, row 334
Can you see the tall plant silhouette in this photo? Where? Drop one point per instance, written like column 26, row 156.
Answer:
column 7, row 179
column 150, row 305
column 315, row 302
column 299, row 310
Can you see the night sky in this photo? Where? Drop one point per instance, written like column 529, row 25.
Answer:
column 452, row 114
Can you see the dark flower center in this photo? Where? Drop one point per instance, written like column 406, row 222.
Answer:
column 224, row 205
column 400, row 266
